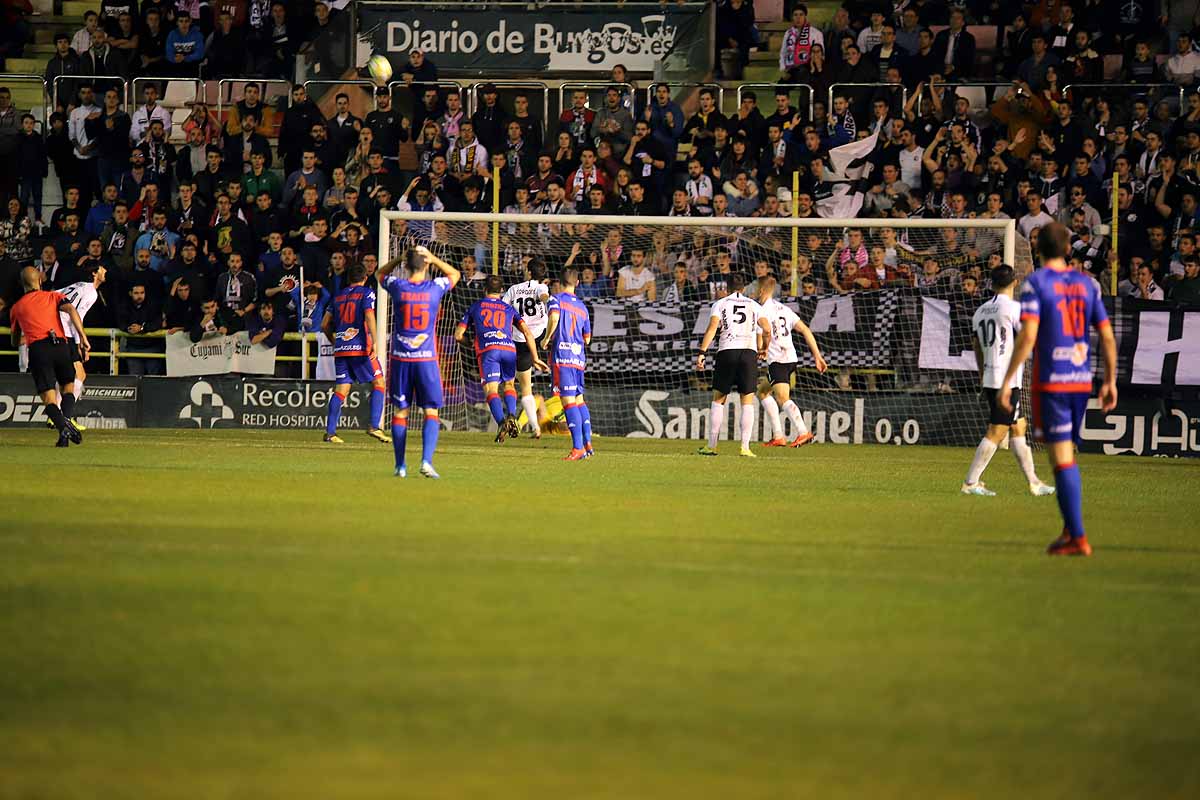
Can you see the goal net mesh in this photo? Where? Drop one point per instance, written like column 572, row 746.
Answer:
column 890, row 307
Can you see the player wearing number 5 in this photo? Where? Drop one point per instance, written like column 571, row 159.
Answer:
column 415, row 378
column 744, row 336
column 1057, row 307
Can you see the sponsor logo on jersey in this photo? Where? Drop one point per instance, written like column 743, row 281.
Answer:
column 413, row 342
column 495, row 335
column 347, row 335
column 1077, row 355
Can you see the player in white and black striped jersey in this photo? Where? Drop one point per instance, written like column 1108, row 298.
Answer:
column 743, row 336
column 781, row 366
column 529, row 299
column 995, row 326
column 82, row 295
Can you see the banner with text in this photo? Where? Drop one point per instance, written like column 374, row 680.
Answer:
column 218, row 355
column 497, row 40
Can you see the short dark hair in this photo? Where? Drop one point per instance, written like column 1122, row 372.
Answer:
column 1054, row 241
column 736, row 281
column 537, row 268
column 1003, row 276
column 356, row 273
column 493, row 285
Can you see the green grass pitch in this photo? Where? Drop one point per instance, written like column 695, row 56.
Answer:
column 258, row 615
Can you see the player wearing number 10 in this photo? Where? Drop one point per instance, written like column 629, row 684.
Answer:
column 1057, row 306
column 415, row 375
column 350, row 324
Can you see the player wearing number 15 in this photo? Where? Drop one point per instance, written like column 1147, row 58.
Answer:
column 568, row 334
column 415, row 376
column 1057, row 307
column 493, row 320
column 350, row 324
column 744, row 335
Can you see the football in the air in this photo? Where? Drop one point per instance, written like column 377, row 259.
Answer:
column 380, row 69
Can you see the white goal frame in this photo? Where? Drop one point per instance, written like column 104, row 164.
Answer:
column 1007, row 226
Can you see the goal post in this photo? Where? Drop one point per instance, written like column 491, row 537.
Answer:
column 893, row 325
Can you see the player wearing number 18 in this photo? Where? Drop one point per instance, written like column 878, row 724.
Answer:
column 350, row 325
column 493, row 320
column 1057, row 307
column 744, row 332
column 415, row 377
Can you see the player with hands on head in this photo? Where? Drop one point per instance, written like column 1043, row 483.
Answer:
column 493, row 321
column 415, row 376
column 781, row 366
column 1058, row 305
column 744, row 333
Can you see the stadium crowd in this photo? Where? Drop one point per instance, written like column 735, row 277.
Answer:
column 211, row 233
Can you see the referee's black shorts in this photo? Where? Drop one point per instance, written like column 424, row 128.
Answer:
column 996, row 414
column 50, row 363
column 736, row 369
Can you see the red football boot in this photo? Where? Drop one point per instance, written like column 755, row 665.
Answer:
column 778, row 441
column 802, row 439
column 1067, row 545
column 575, row 455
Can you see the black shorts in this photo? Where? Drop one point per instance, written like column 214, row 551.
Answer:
column 996, row 414
column 781, row 373
column 524, row 359
column 50, row 363
column 736, row 369
column 76, row 355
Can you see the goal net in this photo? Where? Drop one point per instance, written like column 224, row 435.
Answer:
column 889, row 301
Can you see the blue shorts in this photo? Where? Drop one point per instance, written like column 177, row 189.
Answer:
column 568, row 380
column 417, row 383
column 1058, row 416
column 356, row 369
column 497, row 366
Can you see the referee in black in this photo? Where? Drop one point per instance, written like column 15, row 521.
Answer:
column 50, row 355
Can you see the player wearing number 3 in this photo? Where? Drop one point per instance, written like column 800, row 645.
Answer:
column 1057, row 306
column 415, row 376
column 744, row 336
column 781, row 366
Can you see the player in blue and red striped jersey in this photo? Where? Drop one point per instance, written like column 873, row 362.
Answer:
column 350, row 325
column 568, row 334
column 493, row 320
column 415, row 376
column 1058, row 305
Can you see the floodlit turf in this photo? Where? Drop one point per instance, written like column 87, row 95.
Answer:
column 258, row 615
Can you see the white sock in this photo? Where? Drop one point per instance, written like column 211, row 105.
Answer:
column 1024, row 454
column 530, row 406
column 747, row 424
column 771, row 411
column 78, row 390
column 716, row 418
column 793, row 412
column 983, row 454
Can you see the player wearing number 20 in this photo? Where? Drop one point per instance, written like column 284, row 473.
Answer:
column 415, row 376
column 493, row 321
column 1057, row 307
column 744, row 332
column 568, row 334
column 996, row 324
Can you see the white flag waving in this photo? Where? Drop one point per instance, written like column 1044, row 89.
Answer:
column 849, row 160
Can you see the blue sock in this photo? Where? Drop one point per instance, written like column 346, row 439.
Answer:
column 429, row 437
column 335, row 413
column 510, row 403
column 587, row 424
column 1068, row 488
column 575, row 424
column 399, row 436
column 496, row 407
column 376, row 409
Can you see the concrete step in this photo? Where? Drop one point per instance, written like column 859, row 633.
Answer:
column 45, row 29
column 25, row 66
column 76, row 8
column 39, row 49
column 760, row 72
column 763, row 56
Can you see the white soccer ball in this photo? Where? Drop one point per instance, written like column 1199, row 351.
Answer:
column 380, row 69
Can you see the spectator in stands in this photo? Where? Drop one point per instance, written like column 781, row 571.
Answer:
column 467, row 155
column 225, row 49
column 109, row 129
column 388, row 127
column 152, row 41
column 742, row 194
column 577, row 120
column 101, row 213
column 148, row 112
column 240, row 149
column 265, row 328
column 636, row 281
column 648, row 159
column 139, row 315
column 532, row 130
column 666, row 119
column 15, row 233
column 182, row 310
column 211, row 322
column 278, row 44
column 1032, row 71
column 453, row 117
column 490, row 120
column 295, row 127
column 1186, row 290
column 307, row 175
column 101, row 60
column 418, row 71
column 343, row 130
column 585, row 177
column 1145, row 288
column 118, row 237
column 65, row 61
column 124, row 38
column 735, row 29
column 212, row 180
column 798, row 43
column 955, row 47
column 33, row 166
column 613, row 123
column 159, row 242
column 236, row 292
column 81, row 42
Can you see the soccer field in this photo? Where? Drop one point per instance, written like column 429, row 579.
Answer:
column 259, row 615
